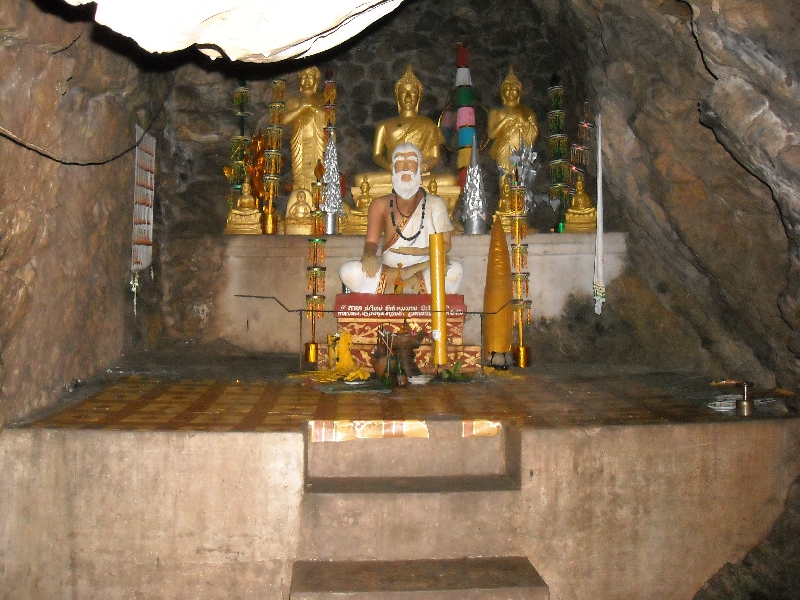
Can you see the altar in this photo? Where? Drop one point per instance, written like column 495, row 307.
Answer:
column 262, row 289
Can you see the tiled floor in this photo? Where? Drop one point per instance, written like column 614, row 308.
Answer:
column 164, row 400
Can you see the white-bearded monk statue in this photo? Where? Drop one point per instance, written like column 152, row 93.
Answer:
column 407, row 216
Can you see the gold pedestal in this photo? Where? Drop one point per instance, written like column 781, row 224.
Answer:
column 522, row 356
column 243, row 223
column 294, row 226
column 353, row 223
column 577, row 221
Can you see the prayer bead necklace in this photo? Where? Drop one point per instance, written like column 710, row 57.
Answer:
column 421, row 221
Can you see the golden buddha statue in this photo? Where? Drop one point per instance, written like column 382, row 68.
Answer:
column 355, row 219
column 581, row 214
column 408, row 126
column 307, row 117
column 512, row 125
column 244, row 218
column 505, row 205
column 299, row 220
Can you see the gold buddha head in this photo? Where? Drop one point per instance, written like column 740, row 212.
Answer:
column 408, row 91
column 309, row 80
column 246, row 200
column 511, row 89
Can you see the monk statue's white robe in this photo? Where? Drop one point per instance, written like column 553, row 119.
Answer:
column 436, row 220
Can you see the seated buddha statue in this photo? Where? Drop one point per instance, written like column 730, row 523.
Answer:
column 299, row 220
column 581, row 214
column 244, row 218
column 355, row 219
column 505, row 204
column 411, row 127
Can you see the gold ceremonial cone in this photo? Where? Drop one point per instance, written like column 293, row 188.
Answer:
column 498, row 294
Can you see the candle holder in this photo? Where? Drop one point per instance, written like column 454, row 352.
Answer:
column 520, row 279
column 315, row 301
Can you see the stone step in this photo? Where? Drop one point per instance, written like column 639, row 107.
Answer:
column 501, row 578
column 450, row 459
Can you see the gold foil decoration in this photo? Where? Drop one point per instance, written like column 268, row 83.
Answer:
column 274, row 136
column 316, row 251
column 520, row 283
column 315, row 306
column 519, row 226
column 278, row 89
column 276, row 113
column 519, row 256
column 316, row 279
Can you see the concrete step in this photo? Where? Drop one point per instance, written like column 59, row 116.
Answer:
column 445, row 461
column 501, row 578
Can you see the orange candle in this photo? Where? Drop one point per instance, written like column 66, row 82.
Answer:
column 438, row 301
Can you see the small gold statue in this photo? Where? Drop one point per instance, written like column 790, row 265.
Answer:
column 299, row 220
column 408, row 126
column 355, row 220
column 505, row 206
column 244, row 219
column 511, row 125
column 307, row 117
column 581, row 214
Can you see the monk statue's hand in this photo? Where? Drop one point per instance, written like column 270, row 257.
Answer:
column 370, row 263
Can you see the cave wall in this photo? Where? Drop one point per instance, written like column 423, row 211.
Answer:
column 698, row 105
column 699, row 101
column 64, row 225
column 201, row 122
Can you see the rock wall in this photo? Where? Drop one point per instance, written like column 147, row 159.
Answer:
column 67, row 112
column 699, row 103
column 708, row 211
column 425, row 34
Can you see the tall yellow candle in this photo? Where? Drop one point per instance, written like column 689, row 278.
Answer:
column 498, row 318
column 438, row 300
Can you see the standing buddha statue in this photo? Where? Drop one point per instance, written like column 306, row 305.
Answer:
column 511, row 126
column 306, row 114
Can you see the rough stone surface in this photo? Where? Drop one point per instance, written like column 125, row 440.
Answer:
column 771, row 570
column 691, row 209
column 708, row 229
column 67, row 110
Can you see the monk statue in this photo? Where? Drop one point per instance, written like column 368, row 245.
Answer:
column 307, row 117
column 244, row 218
column 407, row 216
column 411, row 127
column 299, row 220
column 511, row 126
column 581, row 214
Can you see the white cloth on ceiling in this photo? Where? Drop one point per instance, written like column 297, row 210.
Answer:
column 247, row 30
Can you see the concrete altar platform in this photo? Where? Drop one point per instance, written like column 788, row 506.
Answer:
column 610, row 483
column 261, row 265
